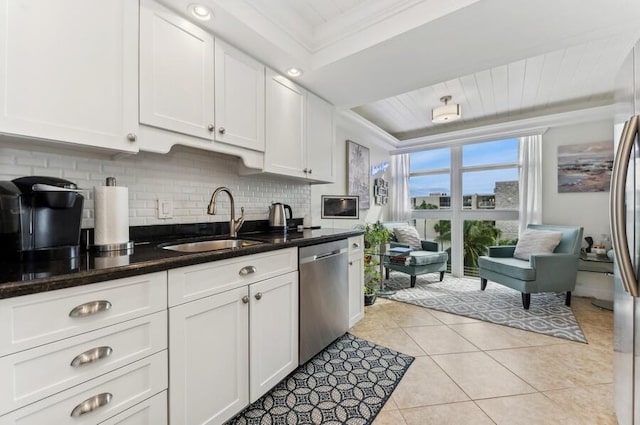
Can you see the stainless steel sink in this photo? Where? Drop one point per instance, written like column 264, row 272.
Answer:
column 212, row 245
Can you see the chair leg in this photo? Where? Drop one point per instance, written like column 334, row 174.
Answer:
column 386, row 273
column 413, row 281
column 441, row 276
column 526, row 300
column 483, row 283
column 567, row 302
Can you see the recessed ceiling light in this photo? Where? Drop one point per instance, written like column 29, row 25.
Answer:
column 199, row 11
column 294, row 72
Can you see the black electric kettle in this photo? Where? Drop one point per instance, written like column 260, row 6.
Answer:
column 277, row 217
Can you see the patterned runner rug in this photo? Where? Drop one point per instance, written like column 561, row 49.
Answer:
column 497, row 304
column 346, row 383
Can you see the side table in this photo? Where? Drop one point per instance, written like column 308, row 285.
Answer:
column 597, row 264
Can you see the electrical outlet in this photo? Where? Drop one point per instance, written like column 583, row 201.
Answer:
column 165, row 208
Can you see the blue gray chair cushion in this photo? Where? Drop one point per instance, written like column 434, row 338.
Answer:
column 422, row 258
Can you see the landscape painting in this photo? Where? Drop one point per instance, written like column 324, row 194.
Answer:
column 358, row 172
column 585, row 167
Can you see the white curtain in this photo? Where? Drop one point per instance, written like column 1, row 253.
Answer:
column 399, row 202
column 530, row 181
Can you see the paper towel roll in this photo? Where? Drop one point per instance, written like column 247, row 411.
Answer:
column 111, row 215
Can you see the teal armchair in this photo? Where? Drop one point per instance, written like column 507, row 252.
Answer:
column 554, row 272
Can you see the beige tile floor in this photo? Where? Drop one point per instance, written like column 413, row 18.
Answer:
column 472, row 372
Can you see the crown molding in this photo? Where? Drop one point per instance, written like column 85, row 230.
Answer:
column 515, row 128
column 365, row 130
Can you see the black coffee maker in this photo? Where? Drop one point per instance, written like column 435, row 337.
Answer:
column 40, row 218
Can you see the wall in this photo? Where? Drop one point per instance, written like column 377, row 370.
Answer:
column 377, row 154
column 186, row 176
column 589, row 210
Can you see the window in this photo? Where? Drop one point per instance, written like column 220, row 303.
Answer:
column 474, row 189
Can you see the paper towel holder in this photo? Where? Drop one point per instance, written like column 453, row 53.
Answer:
column 123, row 248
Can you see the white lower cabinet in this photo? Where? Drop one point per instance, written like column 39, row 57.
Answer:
column 229, row 348
column 356, row 279
column 152, row 411
column 101, row 398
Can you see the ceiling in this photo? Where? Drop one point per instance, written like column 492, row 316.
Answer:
column 390, row 61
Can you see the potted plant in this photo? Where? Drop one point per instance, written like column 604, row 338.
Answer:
column 369, row 295
column 376, row 234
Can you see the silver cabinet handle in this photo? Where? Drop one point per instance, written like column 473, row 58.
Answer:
column 221, row 130
column 211, row 127
column 258, row 296
column 91, row 404
column 245, row 299
column 90, row 308
column 356, row 245
column 132, row 137
column 247, row 270
column 617, row 206
column 91, row 356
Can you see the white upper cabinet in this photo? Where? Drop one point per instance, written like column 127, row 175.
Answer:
column 320, row 140
column 300, row 132
column 239, row 99
column 69, row 71
column 286, row 104
column 176, row 73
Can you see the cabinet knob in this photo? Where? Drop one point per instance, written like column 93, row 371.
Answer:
column 211, row 127
column 91, row 404
column 310, row 170
column 91, row 356
column 221, row 130
column 258, row 295
column 351, row 263
column 90, row 308
column 132, row 137
column 305, row 170
column 356, row 245
column 245, row 299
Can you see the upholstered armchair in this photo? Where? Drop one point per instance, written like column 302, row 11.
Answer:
column 424, row 256
column 554, row 271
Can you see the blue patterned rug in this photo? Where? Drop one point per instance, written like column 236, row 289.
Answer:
column 547, row 313
column 346, row 383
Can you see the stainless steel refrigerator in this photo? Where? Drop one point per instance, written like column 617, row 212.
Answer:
column 625, row 230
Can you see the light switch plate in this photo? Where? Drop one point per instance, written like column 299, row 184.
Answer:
column 165, row 208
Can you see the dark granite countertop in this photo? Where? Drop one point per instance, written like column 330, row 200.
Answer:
column 29, row 277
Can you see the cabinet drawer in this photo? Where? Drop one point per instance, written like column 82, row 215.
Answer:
column 124, row 388
column 38, row 319
column 356, row 246
column 193, row 282
column 152, row 411
column 37, row 373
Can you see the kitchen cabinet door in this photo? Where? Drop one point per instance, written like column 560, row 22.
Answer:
column 239, row 98
column 320, row 140
column 176, row 73
column 69, row 71
column 356, row 279
column 273, row 327
column 208, row 370
column 285, row 126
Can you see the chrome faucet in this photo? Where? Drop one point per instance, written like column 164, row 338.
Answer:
column 234, row 225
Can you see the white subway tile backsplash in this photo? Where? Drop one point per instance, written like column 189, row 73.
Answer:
column 186, row 176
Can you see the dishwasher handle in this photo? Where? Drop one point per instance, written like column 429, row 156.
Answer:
column 323, row 256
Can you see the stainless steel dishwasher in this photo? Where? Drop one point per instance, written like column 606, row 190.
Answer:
column 324, row 296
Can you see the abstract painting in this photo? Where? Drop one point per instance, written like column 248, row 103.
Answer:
column 585, row 167
column 358, row 172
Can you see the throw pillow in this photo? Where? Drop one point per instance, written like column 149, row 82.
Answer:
column 536, row 242
column 408, row 235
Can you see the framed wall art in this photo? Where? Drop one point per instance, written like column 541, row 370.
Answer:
column 585, row 167
column 358, row 172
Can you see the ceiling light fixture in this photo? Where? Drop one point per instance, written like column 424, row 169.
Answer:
column 199, row 11
column 445, row 113
column 294, row 72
